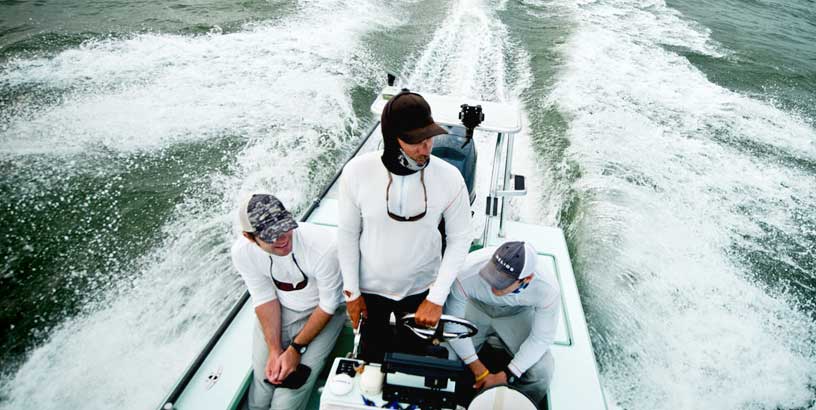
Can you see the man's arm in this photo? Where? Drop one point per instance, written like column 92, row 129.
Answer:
column 264, row 299
column 456, row 305
column 458, row 237
column 348, row 237
column 458, row 233
column 348, row 249
column 317, row 321
column 542, row 335
column 269, row 317
column 329, row 279
column 290, row 358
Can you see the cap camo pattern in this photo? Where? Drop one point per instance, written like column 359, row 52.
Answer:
column 268, row 217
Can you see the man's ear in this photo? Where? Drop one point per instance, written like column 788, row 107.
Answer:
column 248, row 235
column 529, row 278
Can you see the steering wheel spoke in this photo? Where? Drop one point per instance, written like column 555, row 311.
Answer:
column 439, row 333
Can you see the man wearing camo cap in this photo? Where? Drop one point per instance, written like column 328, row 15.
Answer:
column 293, row 277
column 505, row 293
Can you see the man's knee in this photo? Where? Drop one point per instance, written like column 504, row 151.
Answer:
column 536, row 380
column 260, row 394
column 294, row 399
column 542, row 371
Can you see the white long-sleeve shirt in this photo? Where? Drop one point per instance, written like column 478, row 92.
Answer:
column 314, row 248
column 396, row 259
column 542, row 295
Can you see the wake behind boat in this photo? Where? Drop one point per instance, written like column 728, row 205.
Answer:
column 220, row 375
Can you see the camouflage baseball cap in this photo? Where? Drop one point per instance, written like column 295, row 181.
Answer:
column 265, row 215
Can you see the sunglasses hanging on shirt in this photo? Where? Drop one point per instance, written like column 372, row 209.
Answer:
column 400, row 218
column 288, row 287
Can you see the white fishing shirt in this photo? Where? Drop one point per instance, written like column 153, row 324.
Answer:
column 396, row 259
column 542, row 295
column 314, row 248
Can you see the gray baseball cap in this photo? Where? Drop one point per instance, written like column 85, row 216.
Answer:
column 265, row 215
column 510, row 262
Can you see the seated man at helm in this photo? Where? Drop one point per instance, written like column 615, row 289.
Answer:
column 294, row 279
column 503, row 293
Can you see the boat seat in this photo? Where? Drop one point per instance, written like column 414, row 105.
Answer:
column 449, row 147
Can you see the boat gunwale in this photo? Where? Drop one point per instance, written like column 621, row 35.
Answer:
column 196, row 364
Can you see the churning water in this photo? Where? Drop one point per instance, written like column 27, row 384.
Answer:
column 674, row 143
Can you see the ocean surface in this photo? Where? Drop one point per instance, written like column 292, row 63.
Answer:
column 673, row 141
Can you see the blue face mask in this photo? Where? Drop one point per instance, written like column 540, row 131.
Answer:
column 520, row 288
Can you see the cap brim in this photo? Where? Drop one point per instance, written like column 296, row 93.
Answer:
column 497, row 280
column 418, row 135
column 271, row 233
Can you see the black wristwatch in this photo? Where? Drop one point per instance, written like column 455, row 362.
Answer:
column 298, row 348
column 511, row 378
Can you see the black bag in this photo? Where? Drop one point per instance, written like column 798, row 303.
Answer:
column 295, row 379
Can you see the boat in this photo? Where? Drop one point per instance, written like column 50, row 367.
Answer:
column 220, row 375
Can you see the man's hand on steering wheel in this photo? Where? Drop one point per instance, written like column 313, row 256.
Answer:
column 462, row 330
column 428, row 314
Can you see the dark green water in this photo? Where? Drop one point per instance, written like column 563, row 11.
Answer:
column 673, row 142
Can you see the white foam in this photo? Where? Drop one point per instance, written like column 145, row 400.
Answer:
column 489, row 66
column 282, row 87
column 459, row 63
column 669, row 185
column 157, row 89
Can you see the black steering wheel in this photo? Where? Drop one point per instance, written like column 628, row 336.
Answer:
column 438, row 334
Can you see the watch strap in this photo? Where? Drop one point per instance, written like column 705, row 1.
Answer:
column 298, row 347
column 511, row 377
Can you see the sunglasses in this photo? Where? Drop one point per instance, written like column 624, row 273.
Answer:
column 400, row 218
column 288, row 287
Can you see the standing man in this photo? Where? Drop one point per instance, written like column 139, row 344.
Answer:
column 502, row 292
column 390, row 248
column 292, row 274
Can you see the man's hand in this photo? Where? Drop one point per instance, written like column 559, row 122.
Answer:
column 355, row 308
column 288, row 362
column 272, row 365
column 428, row 314
column 491, row 380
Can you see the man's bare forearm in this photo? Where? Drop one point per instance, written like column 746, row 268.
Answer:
column 317, row 321
column 269, row 315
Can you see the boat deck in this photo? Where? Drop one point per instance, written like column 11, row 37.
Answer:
column 223, row 376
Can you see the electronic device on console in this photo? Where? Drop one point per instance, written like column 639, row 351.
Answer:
column 425, row 381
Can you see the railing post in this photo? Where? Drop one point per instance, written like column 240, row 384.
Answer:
column 508, row 167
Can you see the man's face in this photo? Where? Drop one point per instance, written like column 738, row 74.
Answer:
column 420, row 152
column 511, row 288
column 281, row 247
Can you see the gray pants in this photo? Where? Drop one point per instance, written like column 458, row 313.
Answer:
column 263, row 396
column 512, row 324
